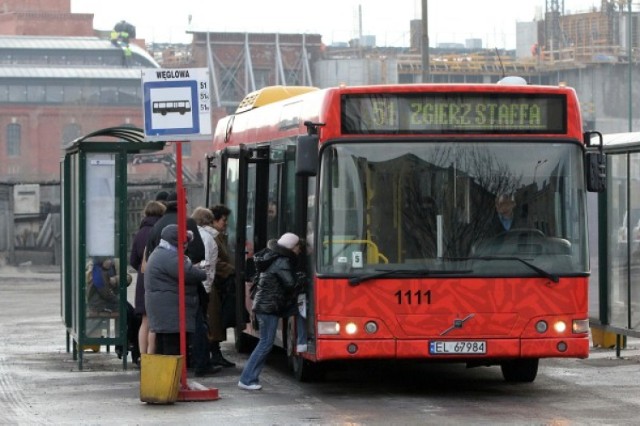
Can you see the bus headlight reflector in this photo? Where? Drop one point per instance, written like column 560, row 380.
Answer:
column 560, row 326
column 352, row 348
column 542, row 326
column 328, row 327
column 371, row 327
column 581, row 326
column 351, row 328
column 562, row 346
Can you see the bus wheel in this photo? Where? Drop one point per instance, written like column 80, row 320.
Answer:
column 520, row 370
column 244, row 342
column 303, row 370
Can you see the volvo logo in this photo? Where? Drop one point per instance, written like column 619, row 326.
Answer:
column 457, row 323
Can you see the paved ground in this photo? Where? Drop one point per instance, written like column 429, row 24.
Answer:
column 40, row 382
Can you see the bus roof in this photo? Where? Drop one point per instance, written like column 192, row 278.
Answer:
column 280, row 111
column 269, row 95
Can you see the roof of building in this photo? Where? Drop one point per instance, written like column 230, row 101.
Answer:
column 67, row 44
column 69, row 72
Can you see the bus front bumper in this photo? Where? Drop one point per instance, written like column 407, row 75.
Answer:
column 563, row 347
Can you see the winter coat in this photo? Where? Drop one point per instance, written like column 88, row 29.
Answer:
column 195, row 249
column 135, row 259
column 278, row 283
column 208, row 235
column 217, row 333
column 161, row 286
column 224, row 267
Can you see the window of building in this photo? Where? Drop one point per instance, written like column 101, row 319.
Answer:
column 14, row 135
column 53, row 94
column 17, row 93
column 4, row 93
column 108, row 95
column 72, row 94
column 35, row 93
column 129, row 95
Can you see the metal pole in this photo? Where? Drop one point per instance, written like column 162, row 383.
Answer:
column 629, row 51
column 182, row 230
column 426, row 76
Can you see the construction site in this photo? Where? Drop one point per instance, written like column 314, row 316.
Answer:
column 595, row 51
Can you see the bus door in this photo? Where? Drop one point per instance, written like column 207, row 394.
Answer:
column 231, row 190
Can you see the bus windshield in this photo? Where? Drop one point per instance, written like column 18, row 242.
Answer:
column 473, row 209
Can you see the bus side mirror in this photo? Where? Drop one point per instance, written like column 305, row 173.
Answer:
column 307, row 155
column 595, row 163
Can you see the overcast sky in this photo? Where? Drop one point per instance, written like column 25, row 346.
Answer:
column 493, row 21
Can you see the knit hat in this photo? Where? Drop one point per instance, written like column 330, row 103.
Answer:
column 289, row 240
column 172, row 198
column 162, row 196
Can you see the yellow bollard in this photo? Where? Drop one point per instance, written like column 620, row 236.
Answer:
column 603, row 339
column 92, row 348
column 160, row 378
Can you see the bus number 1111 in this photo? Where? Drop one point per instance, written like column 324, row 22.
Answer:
column 418, row 297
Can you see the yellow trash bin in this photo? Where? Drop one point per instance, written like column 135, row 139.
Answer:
column 160, row 378
column 603, row 339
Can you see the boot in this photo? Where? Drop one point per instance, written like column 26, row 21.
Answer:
column 217, row 358
column 208, row 370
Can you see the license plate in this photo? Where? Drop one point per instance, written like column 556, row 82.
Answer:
column 458, row 347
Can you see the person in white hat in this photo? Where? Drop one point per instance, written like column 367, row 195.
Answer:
column 276, row 296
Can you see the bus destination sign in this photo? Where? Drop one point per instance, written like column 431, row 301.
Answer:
column 454, row 113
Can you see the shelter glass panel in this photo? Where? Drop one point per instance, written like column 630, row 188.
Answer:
column 618, row 252
column 101, row 232
column 634, row 224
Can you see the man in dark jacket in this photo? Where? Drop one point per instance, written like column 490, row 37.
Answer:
column 161, row 292
column 195, row 249
column 506, row 217
column 276, row 296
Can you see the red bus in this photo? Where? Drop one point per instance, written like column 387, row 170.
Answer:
column 395, row 189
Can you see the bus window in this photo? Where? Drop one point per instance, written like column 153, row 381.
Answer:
column 430, row 204
column 231, row 201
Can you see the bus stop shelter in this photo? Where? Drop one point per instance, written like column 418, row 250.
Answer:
column 617, row 310
column 94, row 237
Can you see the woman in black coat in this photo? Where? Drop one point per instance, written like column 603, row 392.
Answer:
column 276, row 296
column 152, row 213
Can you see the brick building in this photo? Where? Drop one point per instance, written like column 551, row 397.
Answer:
column 61, row 79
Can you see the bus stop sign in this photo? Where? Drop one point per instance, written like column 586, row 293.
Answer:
column 176, row 104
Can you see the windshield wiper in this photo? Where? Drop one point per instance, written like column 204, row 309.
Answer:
column 540, row 271
column 382, row 273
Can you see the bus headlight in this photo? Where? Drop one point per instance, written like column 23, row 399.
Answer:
column 328, row 327
column 541, row 326
column 581, row 326
column 351, row 328
column 560, row 326
column 371, row 327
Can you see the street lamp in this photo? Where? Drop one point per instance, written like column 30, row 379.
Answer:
column 535, row 169
column 426, row 72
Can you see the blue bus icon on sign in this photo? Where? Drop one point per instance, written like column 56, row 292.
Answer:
column 165, row 107
column 168, row 108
